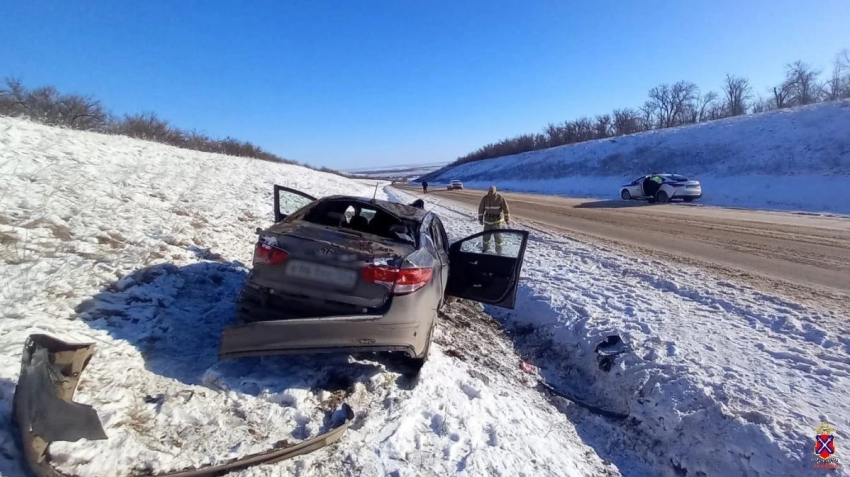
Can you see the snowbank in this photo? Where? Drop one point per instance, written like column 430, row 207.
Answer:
column 142, row 248
column 790, row 160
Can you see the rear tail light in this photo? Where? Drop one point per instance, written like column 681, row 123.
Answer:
column 399, row 281
column 269, row 255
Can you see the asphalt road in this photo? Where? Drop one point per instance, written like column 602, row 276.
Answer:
column 801, row 254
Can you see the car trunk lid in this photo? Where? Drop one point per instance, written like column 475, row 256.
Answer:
column 686, row 184
column 317, row 267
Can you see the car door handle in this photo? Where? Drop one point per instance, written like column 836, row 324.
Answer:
column 474, row 263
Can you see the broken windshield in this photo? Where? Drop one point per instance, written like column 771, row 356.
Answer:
column 364, row 218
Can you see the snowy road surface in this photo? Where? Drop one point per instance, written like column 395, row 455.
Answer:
column 143, row 248
column 807, row 256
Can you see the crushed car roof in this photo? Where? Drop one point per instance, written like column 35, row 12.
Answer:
column 402, row 210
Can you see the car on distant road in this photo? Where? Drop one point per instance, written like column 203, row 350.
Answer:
column 455, row 185
column 348, row 274
column 672, row 187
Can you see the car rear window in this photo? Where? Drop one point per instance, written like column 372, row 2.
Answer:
column 361, row 217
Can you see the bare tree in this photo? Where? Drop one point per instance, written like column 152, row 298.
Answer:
column 761, row 105
column 844, row 58
column 555, row 135
column 781, row 95
column 837, row 86
column 647, row 115
column 199, row 141
column 670, row 103
column 13, row 98
column 43, row 105
column 699, row 109
column 150, row 127
column 833, row 87
column 80, row 112
column 602, row 126
column 540, row 141
column 802, row 82
column 658, row 107
column 715, row 110
column 683, row 95
column 583, row 129
column 626, row 121
column 738, row 91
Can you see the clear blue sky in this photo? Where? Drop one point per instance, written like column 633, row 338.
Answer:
column 351, row 84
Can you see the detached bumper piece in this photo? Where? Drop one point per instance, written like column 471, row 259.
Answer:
column 44, row 411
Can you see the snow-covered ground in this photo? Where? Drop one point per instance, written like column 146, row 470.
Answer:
column 720, row 379
column 400, row 171
column 142, row 248
column 795, row 159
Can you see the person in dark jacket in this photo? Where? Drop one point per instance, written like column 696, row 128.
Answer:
column 651, row 185
column 425, row 186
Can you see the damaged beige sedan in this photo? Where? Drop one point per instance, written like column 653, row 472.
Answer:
column 349, row 274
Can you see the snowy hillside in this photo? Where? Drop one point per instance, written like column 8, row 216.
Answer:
column 790, row 159
column 142, row 249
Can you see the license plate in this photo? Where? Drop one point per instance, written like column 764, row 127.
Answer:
column 316, row 272
column 692, row 187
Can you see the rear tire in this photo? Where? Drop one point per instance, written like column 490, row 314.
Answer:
column 625, row 195
column 661, row 197
column 416, row 363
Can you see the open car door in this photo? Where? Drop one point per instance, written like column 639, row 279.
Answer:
column 287, row 201
column 487, row 277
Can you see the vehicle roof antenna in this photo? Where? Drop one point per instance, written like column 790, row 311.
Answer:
column 376, row 192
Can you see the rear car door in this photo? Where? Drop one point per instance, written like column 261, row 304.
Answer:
column 287, row 201
column 487, row 277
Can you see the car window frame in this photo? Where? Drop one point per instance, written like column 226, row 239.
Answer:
column 435, row 236
column 444, row 237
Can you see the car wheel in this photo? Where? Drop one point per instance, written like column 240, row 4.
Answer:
column 661, row 197
column 415, row 364
column 689, row 199
column 625, row 195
